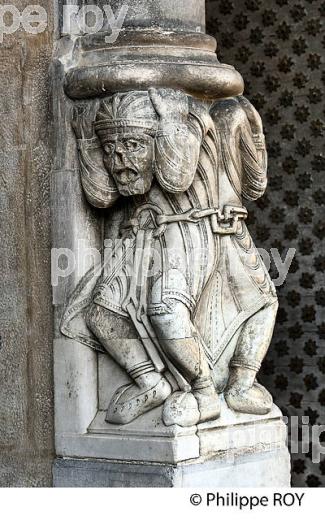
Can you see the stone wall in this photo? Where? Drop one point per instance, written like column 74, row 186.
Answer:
column 26, row 408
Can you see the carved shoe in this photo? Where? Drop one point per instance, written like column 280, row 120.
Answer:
column 131, row 401
column 255, row 400
column 181, row 408
column 209, row 404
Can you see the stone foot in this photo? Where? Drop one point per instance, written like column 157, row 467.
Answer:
column 208, row 403
column 181, row 408
column 254, row 400
column 189, row 409
column 131, row 401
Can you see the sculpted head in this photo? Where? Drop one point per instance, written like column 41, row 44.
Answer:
column 126, row 125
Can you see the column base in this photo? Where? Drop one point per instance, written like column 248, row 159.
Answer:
column 236, row 450
column 258, row 469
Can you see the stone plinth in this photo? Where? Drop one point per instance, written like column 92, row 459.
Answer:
column 235, row 450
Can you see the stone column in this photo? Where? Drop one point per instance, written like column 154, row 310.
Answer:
column 159, row 44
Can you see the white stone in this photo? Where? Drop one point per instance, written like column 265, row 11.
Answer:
column 148, row 439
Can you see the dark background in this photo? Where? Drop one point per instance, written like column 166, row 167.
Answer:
column 278, row 46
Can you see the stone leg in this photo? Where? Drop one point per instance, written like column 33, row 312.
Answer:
column 181, row 342
column 120, row 339
column 243, row 393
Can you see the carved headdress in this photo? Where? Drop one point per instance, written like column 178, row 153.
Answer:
column 126, row 112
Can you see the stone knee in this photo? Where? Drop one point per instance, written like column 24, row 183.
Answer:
column 93, row 318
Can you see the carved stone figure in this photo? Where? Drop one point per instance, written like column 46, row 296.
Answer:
column 181, row 300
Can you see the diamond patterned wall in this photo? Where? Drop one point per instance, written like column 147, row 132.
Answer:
column 278, row 46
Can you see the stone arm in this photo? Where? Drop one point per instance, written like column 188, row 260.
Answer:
column 242, row 144
column 178, row 141
column 99, row 186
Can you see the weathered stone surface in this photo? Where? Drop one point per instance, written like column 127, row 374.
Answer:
column 26, row 409
column 183, row 15
column 147, row 439
column 261, row 469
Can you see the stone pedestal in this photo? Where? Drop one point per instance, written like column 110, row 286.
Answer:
column 235, row 450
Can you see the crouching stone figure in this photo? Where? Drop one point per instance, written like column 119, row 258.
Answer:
column 182, row 302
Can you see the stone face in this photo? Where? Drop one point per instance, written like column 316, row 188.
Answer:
column 26, row 385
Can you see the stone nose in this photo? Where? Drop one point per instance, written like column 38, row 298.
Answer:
column 120, row 156
column 119, row 159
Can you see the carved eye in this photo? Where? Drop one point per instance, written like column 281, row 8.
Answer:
column 109, row 148
column 132, row 145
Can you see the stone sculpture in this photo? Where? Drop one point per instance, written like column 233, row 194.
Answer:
column 182, row 302
column 159, row 338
